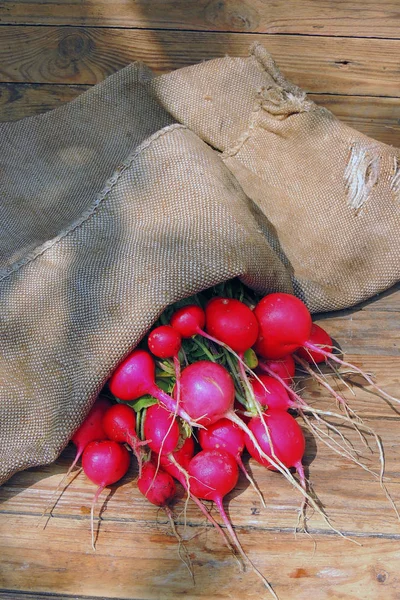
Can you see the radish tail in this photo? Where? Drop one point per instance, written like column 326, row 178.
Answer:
column 95, row 498
column 224, row 516
column 172, row 405
column 250, row 480
column 365, row 375
column 54, row 503
column 185, row 559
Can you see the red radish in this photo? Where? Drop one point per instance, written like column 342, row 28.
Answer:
column 207, row 391
column 135, row 377
column 228, row 436
column 104, row 463
column 181, row 455
column 285, row 367
column 91, row 430
column 270, row 393
column 188, row 320
column 285, row 325
column 119, row 423
column 165, row 342
column 161, row 429
column 320, row 338
column 214, row 473
column 286, row 438
column 156, row 485
column 231, row 322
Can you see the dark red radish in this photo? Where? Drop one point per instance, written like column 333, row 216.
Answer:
column 165, row 342
column 286, row 443
column 119, row 423
column 161, row 429
column 284, row 325
column 135, row 377
column 156, row 485
column 104, row 463
column 319, row 338
column 231, row 322
column 270, row 393
column 214, row 474
column 285, row 367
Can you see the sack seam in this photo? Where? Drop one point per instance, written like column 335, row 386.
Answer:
column 98, row 201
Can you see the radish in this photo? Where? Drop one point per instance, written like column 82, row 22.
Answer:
column 119, row 423
column 271, row 394
column 90, row 430
column 165, row 342
column 135, row 377
column 156, row 485
column 285, row 442
column 228, row 436
column 189, row 320
column 285, row 326
column 232, row 322
column 284, row 367
column 320, row 338
column 104, row 463
column 162, row 429
column 214, row 474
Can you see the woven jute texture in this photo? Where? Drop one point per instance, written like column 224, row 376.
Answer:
column 331, row 194
column 113, row 207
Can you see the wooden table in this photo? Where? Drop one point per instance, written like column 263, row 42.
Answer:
column 346, row 55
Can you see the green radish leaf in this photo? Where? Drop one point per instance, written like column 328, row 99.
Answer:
column 142, row 403
column 250, row 358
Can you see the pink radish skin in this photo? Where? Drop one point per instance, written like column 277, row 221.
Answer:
column 231, row 322
column 188, row 320
column 285, row 367
column 271, row 394
column 119, row 423
column 223, row 434
column 161, row 429
column 286, row 436
column 207, row 392
column 164, row 341
column 182, row 456
column 156, row 485
column 104, row 463
column 228, row 436
column 135, row 377
column 91, row 429
column 284, row 325
column 319, row 337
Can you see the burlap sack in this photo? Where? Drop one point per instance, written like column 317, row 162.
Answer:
column 331, row 194
column 87, row 266
column 110, row 212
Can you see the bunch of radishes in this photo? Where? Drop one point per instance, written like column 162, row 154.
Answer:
column 229, row 368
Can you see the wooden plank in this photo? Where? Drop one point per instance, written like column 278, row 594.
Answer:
column 134, row 562
column 87, row 56
column 312, row 17
column 378, row 118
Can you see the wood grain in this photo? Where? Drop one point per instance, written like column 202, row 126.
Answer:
column 377, row 118
column 312, row 17
column 86, row 56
